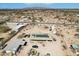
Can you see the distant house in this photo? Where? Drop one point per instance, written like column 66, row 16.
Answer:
column 14, row 46
column 54, row 29
column 76, row 48
column 77, row 15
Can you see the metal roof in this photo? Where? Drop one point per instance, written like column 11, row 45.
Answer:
column 14, row 45
column 75, row 46
column 15, row 26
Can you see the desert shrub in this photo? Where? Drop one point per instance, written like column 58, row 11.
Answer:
column 4, row 29
column 77, row 30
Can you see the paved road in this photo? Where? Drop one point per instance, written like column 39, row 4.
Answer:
column 49, row 23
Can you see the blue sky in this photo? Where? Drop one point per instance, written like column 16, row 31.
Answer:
column 46, row 5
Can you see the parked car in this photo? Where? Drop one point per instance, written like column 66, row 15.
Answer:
column 35, row 46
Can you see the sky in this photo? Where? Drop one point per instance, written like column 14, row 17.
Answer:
column 46, row 5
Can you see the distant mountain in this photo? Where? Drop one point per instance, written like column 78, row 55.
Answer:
column 37, row 8
column 26, row 8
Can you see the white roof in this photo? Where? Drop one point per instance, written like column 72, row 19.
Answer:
column 15, row 26
column 14, row 45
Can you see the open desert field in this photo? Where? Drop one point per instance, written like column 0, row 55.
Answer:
column 39, row 32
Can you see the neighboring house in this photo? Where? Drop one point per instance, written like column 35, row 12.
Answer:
column 15, row 26
column 76, row 48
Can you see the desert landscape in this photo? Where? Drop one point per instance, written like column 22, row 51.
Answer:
column 39, row 32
